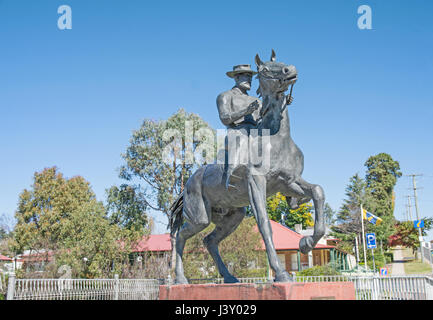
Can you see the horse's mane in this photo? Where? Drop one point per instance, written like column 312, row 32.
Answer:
column 259, row 89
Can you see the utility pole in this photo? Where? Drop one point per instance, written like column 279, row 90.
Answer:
column 409, row 207
column 416, row 209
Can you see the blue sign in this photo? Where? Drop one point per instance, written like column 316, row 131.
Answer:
column 418, row 224
column 383, row 271
column 371, row 240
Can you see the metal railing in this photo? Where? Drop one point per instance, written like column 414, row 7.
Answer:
column 382, row 287
column 392, row 288
column 366, row 287
column 427, row 254
column 82, row 289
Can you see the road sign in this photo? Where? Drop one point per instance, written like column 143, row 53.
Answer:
column 371, row 240
column 418, row 224
column 383, row 271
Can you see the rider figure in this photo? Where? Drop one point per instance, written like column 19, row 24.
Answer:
column 238, row 111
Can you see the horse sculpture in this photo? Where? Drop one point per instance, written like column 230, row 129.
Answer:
column 205, row 198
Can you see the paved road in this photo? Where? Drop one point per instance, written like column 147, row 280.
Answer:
column 398, row 264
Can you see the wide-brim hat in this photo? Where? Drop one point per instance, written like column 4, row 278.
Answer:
column 242, row 68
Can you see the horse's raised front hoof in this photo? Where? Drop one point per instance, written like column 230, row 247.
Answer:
column 181, row 280
column 283, row 277
column 306, row 244
column 231, row 279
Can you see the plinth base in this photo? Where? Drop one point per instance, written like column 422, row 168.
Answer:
column 250, row 291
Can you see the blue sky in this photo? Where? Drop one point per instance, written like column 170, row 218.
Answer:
column 71, row 98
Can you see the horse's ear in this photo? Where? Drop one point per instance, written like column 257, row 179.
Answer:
column 258, row 61
column 273, row 55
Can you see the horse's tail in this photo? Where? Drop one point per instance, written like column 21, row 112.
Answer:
column 175, row 216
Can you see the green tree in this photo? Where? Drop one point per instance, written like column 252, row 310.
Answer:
column 160, row 156
column 126, row 207
column 355, row 196
column 63, row 216
column 43, row 208
column 241, row 251
column 3, row 233
column 348, row 220
column 330, row 214
column 407, row 236
column 91, row 245
column 279, row 211
column 6, row 226
column 381, row 178
column 163, row 154
column 376, row 194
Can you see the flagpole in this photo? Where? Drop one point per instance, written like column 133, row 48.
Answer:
column 363, row 239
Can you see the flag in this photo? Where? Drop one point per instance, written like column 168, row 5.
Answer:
column 371, row 217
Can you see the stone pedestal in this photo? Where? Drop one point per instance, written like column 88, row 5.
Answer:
column 249, row 291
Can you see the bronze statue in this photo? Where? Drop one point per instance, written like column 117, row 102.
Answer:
column 206, row 199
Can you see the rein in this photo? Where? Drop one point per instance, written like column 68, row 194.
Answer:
column 282, row 109
column 290, row 95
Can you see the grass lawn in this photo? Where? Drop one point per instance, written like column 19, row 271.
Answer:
column 415, row 266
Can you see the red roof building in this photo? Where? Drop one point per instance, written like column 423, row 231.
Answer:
column 286, row 243
column 4, row 258
column 154, row 243
column 287, row 239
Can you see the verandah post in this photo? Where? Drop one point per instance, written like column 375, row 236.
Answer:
column 11, row 287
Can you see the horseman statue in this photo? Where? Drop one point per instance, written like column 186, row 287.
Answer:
column 240, row 113
column 220, row 192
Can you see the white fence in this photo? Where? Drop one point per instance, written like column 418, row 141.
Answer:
column 427, row 254
column 366, row 287
column 383, row 287
column 82, row 289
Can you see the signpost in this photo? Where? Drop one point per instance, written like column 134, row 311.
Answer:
column 371, row 240
column 371, row 244
column 383, row 271
column 418, row 224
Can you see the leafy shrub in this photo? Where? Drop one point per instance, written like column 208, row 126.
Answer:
column 327, row 270
column 389, row 257
column 379, row 260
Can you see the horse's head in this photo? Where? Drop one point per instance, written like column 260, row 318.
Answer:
column 274, row 77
